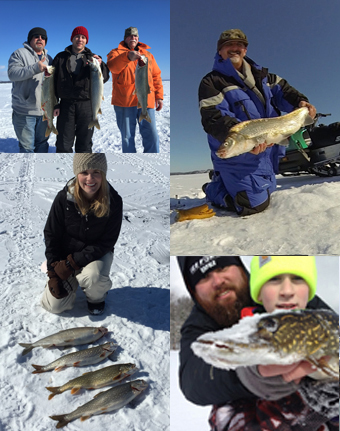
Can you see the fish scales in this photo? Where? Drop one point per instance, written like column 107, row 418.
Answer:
column 67, row 337
column 142, row 87
column 107, row 401
column 97, row 91
column 282, row 337
column 48, row 100
column 247, row 135
column 80, row 358
column 95, row 379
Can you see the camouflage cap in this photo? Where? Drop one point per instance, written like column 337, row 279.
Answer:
column 234, row 34
column 131, row 31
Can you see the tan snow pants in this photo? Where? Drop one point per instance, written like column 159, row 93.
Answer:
column 93, row 279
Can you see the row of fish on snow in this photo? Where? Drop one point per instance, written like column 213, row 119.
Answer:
column 49, row 101
column 106, row 401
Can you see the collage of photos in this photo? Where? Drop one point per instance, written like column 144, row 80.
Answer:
column 154, row 287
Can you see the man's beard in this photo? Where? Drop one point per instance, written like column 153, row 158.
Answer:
column 227, row 316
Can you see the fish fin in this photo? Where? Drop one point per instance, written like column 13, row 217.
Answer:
column 76, row 364
column 117, row 377
column 54, row 130
column 62, row 421
column 48, row 132
column 103, row 98
column 145, row 117
column 55, row 391
column 98, row 394
column 75, row 390
column 104, row 409
column 102, row 355
column 94, row 123
column 284, row 142
column 38, row 369
column 57, row 369
column 28, row 348
column 84, row 418
column 100, row 111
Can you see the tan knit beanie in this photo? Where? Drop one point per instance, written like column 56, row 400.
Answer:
column 84, row 161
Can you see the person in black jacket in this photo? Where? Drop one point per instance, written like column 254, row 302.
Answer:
column 80, row 234
column 73, row 87
column 220, row 289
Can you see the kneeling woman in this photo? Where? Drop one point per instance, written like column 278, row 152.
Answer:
column 80, row 234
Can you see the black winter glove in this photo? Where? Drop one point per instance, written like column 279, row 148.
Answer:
column 55, row 285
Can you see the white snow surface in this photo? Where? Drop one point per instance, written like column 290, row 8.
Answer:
column 105, row 140
column 302, row 218
column 137, row 306
column 185, row 416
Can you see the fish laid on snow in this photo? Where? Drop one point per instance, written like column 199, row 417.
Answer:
column 112, row 399
column 68, row 337
column 48, row 100
column 97, row 91
column 282, row 337
column 82, row 357
column 142, row 87
column 247, row 135
column 95, row 379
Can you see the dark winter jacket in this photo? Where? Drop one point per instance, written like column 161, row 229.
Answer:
column 88, row 237
column 201, row 383
column 225, row 100
column 70, row 86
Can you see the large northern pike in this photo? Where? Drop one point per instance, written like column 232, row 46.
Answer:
column 97, row 91
column 95, row 379
column 282, row 337
column 68, row 337
column 142, row 87
column 48, row 100
column 112, row 399
column 247, row 135
column 82, row 357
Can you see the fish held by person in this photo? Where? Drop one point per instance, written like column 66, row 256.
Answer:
column 142, row 87
column 97, row 91
column 95, row 379
column 281, row 338
column 247, row 135
column 82, row 357
column 69, row 337
column 107, row 401
column 48, row 99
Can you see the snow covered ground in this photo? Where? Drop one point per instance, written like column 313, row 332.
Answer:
column 105, row 140
column 137, row 312
column 303, row 218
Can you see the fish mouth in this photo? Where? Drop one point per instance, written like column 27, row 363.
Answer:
column 103, row 330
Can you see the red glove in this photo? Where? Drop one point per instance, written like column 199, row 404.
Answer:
column 65, row 268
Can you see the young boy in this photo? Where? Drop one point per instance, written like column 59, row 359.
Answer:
column 280, row 283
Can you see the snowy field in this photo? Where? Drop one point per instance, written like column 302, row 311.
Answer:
column 105, row 140
column 303, row 218
column 137, row 311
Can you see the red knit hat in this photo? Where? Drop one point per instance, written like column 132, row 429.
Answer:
column 80, row 30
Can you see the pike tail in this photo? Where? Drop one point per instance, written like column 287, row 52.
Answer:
column 28, row 348
column 145, row 117
column 62, row 421
column 56, row 390
column 94, row 123
column 38, row 369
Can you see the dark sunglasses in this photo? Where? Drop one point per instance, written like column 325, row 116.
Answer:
column 36, row 36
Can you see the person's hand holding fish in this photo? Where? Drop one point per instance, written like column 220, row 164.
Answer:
column 134, row 55
column 98, row 58
column 260, row 148
column 293, row 372
column 311, row 108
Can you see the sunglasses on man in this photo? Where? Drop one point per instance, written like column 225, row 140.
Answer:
column 36, row 36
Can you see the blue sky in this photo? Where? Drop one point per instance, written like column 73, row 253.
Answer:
column 105, row 21
column 296, row 39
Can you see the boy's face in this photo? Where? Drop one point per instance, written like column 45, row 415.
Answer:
column 284, row 292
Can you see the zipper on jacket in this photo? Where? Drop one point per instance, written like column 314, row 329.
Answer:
column 240, row 103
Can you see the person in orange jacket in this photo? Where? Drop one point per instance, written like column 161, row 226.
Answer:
column 122, row 62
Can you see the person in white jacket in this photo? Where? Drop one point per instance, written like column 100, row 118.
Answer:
column 26, row 68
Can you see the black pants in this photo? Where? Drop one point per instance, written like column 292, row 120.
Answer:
column 73, row 121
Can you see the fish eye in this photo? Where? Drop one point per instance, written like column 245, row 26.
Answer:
column 269, row 324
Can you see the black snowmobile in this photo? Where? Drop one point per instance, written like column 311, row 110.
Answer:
column 313, row 150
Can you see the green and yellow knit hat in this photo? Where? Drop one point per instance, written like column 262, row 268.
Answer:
column 263, row 268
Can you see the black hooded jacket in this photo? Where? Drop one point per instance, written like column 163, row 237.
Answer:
column 76, row 87
column 200, row 382
column 88, row 237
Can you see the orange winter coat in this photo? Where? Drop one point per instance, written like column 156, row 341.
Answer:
column 123, row 76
